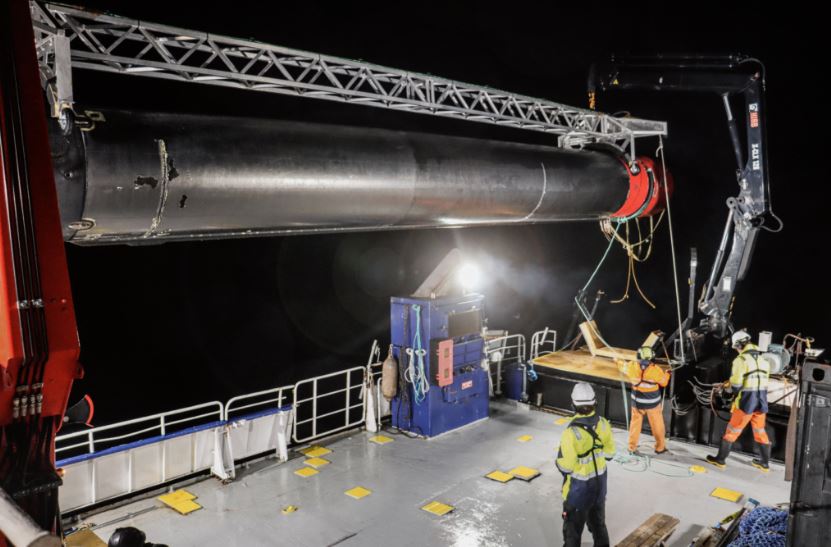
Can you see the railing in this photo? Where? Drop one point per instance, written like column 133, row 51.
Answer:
column 148, row 426
column 255, row 424
column 110, row 461
column 131, row 456
column 258, row 401
column 328, row 387
column 503, row 351
column 541, row 341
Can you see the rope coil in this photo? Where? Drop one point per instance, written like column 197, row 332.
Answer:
column 416, row 375
column 762, row 527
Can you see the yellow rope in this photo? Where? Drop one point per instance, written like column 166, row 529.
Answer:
column 637, row 286
column 633, row 252
column 628, row 280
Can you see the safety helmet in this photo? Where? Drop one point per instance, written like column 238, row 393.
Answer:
column 582, row 394
column 646, row 354
column 739, row 338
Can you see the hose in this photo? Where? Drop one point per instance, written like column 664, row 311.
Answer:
column 588, row 318
column 647, row 463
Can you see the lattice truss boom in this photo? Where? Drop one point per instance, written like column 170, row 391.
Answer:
column 114, row 44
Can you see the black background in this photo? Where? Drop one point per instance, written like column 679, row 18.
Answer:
column 166, row 326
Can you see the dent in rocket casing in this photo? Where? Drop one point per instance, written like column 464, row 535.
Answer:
column 151, row 177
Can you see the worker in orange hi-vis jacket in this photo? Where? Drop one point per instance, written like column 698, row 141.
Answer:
column 647, row 379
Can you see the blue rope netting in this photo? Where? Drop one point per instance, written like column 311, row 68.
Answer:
column 762, row 527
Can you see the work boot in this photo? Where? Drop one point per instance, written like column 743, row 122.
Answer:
column 764, row 457
column 720, row 460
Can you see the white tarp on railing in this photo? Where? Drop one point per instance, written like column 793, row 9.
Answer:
column 99, row 469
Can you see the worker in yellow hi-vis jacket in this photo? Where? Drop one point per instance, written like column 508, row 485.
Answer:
column 647, row 379
column 585, row 446
column 749, row 384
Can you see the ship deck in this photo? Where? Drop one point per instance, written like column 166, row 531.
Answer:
column 406, row 474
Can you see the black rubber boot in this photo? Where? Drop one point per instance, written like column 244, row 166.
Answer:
column 764, row 458
column 720, row 460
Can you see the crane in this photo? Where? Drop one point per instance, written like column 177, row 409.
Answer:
column 730, row 76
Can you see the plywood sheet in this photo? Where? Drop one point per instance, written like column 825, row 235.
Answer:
column 580, row 362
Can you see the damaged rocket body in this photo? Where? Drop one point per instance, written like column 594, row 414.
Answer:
column 150, row 177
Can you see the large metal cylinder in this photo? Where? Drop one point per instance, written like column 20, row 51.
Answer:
column 149, row 177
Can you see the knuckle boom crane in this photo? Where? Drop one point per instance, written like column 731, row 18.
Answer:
column 733, row 77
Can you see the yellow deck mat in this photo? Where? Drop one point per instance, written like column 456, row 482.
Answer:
column 358, row 492
column 524, row 473
column 315, row 451
column 697, row 469
column 84, row 538
column 524, row 438
column 437, row 508
column 180, row 501
column 177, row 495
column 499, row 476
column 561, row 421
column 726, row 494
column 306, row 472
column 317, row 463
column 380, row 439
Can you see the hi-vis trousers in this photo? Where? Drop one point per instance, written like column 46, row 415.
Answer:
column 656, row 423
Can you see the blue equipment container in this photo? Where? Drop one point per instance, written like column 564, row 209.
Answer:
column 419, row 325
column 514, row 375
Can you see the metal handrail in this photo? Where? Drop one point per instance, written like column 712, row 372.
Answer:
column 499, row 347
column 332, row 413
column 229, row 405
column 348, row 381
column 328, row 394
column 346, row 410
column 161, row 426
column 539, row 340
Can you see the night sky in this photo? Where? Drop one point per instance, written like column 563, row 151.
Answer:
column 166, row 326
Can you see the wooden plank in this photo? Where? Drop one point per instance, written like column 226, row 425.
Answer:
column 652, row 532
column 599, row 348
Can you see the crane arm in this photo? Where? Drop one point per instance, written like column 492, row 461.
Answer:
column 731, row 76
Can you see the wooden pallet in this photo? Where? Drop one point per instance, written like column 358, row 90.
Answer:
column 653, row 532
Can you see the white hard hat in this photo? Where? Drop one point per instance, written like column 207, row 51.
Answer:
column 582, row 394
column 739, row 337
